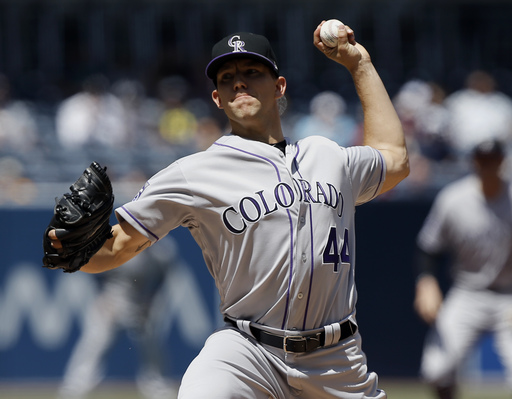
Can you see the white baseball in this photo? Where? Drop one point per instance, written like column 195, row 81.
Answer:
column 329, row 32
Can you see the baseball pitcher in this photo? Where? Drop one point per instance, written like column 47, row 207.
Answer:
column 275, row 222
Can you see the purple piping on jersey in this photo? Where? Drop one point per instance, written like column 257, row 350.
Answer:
column 254, row 155
column 295, row 158
column 289, row 219
column 312, row 265
column 381, row 174
column 311, row 230
column 312, row 246
column 139, row 223
column 291, row 272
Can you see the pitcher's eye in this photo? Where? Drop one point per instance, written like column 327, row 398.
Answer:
column 226, row 76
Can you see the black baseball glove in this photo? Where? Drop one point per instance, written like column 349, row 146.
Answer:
column 81, row 221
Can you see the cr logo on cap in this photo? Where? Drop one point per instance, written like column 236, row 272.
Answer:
column 238, row 45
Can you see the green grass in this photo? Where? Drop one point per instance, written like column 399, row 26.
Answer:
column 396, row 389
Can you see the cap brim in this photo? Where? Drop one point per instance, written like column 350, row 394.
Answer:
column 215, row 64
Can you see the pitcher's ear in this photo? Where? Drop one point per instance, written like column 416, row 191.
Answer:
column 280, row 87
column 216, row 99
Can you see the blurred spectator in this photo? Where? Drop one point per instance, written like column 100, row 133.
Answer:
column 411, row 100
column 478, row 109
column 412, row 96
column 132, row 298
column 177, row 123
column 18, row 129
column 17, row 189
column 93, row 116
column 419, row 105
column 328, row 117
column 140, row 113
column 207, row 132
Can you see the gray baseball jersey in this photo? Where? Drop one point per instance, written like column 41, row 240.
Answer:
column 478, row 231
column 276, row 230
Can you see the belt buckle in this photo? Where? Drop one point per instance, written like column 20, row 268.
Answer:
column 302, row 342
column 295, row 339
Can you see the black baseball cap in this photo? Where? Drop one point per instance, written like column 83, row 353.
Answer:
column 241, row 45
column 489, row 148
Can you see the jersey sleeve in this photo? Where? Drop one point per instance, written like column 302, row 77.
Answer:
column 367, row 172
column 161, row 205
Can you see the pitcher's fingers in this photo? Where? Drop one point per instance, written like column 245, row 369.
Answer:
column 351, row 36
column 316, row 37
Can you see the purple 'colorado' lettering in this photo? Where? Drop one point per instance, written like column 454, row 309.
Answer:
column 320, row 192
column 335, row 195
column 229, row 224
column 298, row 189
column 244, row 211
column 279, row 193
column 253, row 208
column 306, row 188
column 264, row 201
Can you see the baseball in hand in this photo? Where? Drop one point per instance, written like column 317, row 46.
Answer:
column 329, row 32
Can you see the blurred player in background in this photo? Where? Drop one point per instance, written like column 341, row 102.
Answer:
column 471, row 220
column 130, row 299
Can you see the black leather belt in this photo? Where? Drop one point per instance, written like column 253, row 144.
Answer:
column 297, row 343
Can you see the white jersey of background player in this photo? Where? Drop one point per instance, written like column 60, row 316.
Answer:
column 275, row 222
column 471, row 220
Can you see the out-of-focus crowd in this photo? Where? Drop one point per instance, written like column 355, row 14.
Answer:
column 135, row 135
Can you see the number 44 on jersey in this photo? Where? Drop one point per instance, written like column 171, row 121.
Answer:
column 331, row 251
